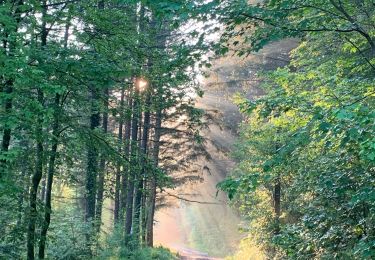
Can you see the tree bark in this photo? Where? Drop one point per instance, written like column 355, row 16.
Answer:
column 52, row 160
column 35, row 184
column 152, row 200
column 102, row 168
column 92, row 160
column 124, row 180
column 38, row 173
column 133, row 166
column 118, row 170
column 143, row 161
column 51, row 172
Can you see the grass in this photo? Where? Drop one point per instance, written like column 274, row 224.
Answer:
column 248, row 251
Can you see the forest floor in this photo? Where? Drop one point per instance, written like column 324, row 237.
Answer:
column 189, row 254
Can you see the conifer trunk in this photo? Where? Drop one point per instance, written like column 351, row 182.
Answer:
column 142, row 173
column 133, row 166
column 124, row 177
column 118, row 170
column 152, row 200
column 102, row 168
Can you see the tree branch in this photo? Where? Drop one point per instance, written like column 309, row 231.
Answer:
column 192, row 201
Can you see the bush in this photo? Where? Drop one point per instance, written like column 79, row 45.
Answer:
column 114, row 249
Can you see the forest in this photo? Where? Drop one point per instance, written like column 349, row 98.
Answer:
column 98, row 111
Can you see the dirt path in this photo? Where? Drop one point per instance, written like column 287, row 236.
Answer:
column 189, row 254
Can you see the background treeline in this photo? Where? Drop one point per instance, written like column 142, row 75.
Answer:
column 87, row 92
column 306, row 174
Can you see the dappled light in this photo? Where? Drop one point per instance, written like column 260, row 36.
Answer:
column 187, row 130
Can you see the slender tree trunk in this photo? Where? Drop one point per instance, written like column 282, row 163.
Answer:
column 92, row 161
column 35, row 184
column 133, row 168
column 124, row 177
column 118, row 170
column 51, row 163
column 39, row 155
column 152, row 200
column 92, row 154
column 102, row 168
column 143, row 161
column 144, row 212
column 51, row 172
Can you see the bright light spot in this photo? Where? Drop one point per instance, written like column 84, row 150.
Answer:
column 142, row 84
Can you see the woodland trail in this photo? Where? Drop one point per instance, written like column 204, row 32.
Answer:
column 188, row 129
column 189, row 254
column 184, row 225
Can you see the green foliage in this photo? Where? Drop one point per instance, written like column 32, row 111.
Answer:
column 114, row 249
column 64, row 65
column 67, row 238
column 314, row 130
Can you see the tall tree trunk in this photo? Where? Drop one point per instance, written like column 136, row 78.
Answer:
column 144, row 211
column 52, row 160
column 92, row 160
column 92, row 153
column 102, row 168
column 152, row 200
column 51, row 172
column 143, row 161
column 124, row 177
column 38, row 173
column 133, row 167
column 35, row 183
column 118, row 170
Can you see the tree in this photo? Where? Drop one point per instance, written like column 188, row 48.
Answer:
column 313, row 112
column 73, row 113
